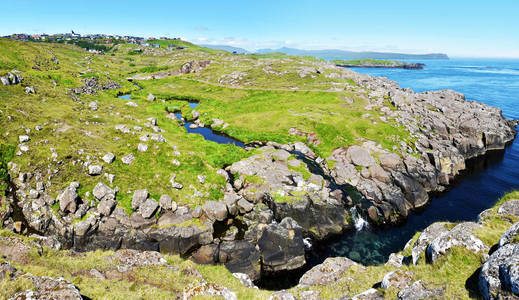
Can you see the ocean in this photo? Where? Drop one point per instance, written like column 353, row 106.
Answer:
column 491, row 81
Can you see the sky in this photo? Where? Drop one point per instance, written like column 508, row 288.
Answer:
column 459, row 28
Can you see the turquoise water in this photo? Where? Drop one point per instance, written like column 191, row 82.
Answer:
column 491, row 81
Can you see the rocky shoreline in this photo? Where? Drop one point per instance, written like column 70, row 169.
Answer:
column 284, row 198
column 407, row 66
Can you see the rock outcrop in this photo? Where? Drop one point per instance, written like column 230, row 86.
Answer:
column 499, row 275
column 11, row 78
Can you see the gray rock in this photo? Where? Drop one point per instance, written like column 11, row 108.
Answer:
column 139, row 196
column 175, row 184
column 282, row 155
column 282, row 295
column 390, row 161
column 105, row 207
column 23, row 138
column 511, row 235
column 360, row 156
column 240, row 257
column 426, row 237
column 94, row 170
column 245, row 280
column 398, row 279
column 461, row 236
column 156, row 137
column 509, row 208
column 148, row 208
column 30, row 90
column 68, row 200
column 142, row 147
column 499, row 274
column 166, row 202
column 281, row 246
column 211, row 290
column 327, row 272
column 128, row 159
column 102, row 192
column 8, row 271
column 109, row 158
column 197, row 212
column 215, row 210
column 49, row 288
column 195, row 114
column 418, row 291
column 395, row 260
column 151, row 97
column 244, row 206
column 371, row 294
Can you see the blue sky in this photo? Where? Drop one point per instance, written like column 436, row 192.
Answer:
column 456, row 27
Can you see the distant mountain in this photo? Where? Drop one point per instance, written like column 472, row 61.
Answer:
column 226, row 48
column 343, row 54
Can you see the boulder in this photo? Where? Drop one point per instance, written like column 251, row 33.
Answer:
column 15, row 249
column 418, row 291
column 201, row 288
column 148, row 208
column 360, row 156
column 499, row 275
column 109, row 158
column 150, row 97
column 240, row 257
column 371, row 294
column 142, row 147
column 128, row 159
column 165, row 202
column 461, row 236
column 94, row 170
column 282, row 295
column 390, row 161
column 426, row 237
column 50, row 288
column 327, row 272
column 509, row 208
column 511, row 235
column 105, row 207
column 281, row 246
column 215, row 210
column 68, row 200
column 102, row 192
column 395, row 260
column 244, row 206
column 281, row 155
column 6, row 271
column 139, row 196
column 245, row 280
column 398, row 279
column 23, row 138
column 129, row 259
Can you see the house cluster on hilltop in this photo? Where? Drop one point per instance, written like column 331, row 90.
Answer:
column 94, row 43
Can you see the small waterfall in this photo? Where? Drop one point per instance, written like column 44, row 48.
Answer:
column 358, row 220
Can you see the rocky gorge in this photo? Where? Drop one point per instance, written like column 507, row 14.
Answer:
column 276, row 201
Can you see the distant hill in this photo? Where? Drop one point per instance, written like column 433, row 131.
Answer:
column 343, row 54
column 226, row 48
